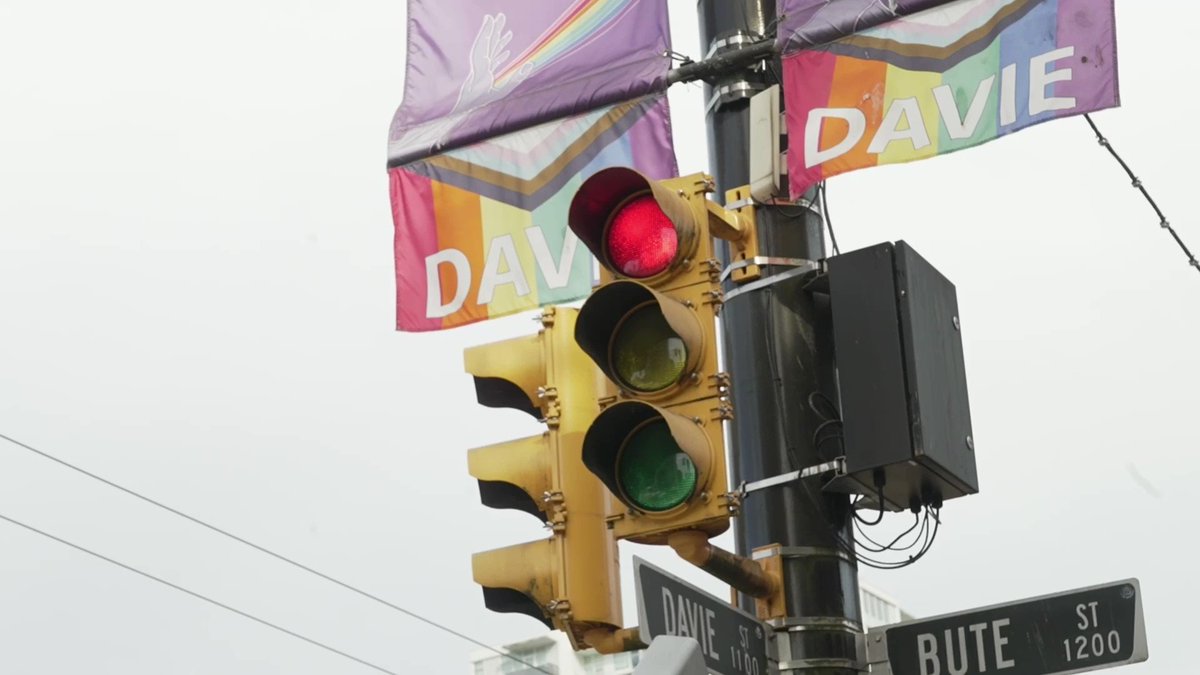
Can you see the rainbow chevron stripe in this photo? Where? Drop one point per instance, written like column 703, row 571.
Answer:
column 481, row 231
column 945, row 79
column 582, row 22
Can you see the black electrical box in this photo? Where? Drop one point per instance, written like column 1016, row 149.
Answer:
column 903, row 384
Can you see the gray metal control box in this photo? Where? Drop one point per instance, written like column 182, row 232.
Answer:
column 903, row 383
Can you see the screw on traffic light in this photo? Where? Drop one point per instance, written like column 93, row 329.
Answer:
column 570, row 580
column 650, row 326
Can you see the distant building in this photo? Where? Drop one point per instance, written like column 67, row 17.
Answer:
column 878, row 609
column 552, row 653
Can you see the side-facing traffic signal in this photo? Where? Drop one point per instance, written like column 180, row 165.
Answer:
column 571, row 580
column 651, row 328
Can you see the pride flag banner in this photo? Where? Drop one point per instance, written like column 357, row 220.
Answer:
column 481, row 68
column 481, row 231
column 805, row 23
column 948, row 78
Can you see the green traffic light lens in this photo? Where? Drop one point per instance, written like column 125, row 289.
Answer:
column 655, row 474
column 647, row 355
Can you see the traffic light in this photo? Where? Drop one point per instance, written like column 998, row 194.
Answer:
column 650, row 326
column 570, row 580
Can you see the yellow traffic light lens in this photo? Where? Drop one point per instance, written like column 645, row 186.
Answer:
column 647, row 356
column 654, row 473
column 641, row 239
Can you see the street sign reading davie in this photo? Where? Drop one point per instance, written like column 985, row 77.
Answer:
column 733, row 642
column 1070, row 632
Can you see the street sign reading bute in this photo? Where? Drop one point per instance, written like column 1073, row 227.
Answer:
column 1070, row 632
column 732, row 642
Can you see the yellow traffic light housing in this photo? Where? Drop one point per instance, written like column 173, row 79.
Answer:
column 653, row 346
column 667, row 466
column 656, row 232
column 650, row 326
column 570, row 580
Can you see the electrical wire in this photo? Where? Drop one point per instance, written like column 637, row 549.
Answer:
column 879, row 490
column 823, row 189
column 830, row 420
column 269, row 552
column 199, row 596
column 824, row 408
column 926, row 545
column 891, row 546
column 1137, row 183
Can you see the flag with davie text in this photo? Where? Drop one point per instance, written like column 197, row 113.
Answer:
column 508, row 106
column 939, row 80
column 482, row 231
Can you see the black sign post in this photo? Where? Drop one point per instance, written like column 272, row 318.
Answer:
column 733, row 642
column 1070, row 632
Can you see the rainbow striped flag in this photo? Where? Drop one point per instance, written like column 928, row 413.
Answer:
column 806, row 23
column 482, row 231
column 508, row 106
column 947, row 78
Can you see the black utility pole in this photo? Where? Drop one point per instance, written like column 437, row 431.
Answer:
column 779, row 351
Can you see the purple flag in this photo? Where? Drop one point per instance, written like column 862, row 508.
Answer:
column 484, row 68
column 806, row 23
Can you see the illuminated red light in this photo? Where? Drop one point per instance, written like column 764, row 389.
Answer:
column 641, row 239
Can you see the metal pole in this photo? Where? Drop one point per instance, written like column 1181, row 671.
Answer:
column 779, row 352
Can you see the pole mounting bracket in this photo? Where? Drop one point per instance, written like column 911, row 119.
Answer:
column 837, row 466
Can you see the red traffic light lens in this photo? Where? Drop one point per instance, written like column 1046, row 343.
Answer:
column 641, row 239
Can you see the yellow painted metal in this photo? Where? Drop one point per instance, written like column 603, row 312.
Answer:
column 521, row 362
column 744, row 574
column 774, row 605
column 572, row 578
column 696, row 426
column 685, row 202
column 531, row 569
column 688, row 294
column 692, row 312
column 527, row 465
column 744, row 246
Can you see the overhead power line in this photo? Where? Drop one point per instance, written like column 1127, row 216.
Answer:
column 273, row 554
column 1137, row 183
column 198, row 596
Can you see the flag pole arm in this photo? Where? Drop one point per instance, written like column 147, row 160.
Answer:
column 724, row 63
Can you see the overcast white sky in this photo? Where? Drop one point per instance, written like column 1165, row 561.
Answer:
column 196, row 301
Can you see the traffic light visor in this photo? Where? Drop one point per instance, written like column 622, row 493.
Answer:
column 647, row 355
column 635, row 226
column 653, row 471
column 650, row 458
column 644, row 341
column 508, row 373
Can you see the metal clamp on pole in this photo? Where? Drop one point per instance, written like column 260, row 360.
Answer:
column 730, row 53
column 732, row 91
column 812, row 266
column 776, row 203
column 801, row 203
column 763, row 260
column 837, row 465
column 823, row 665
